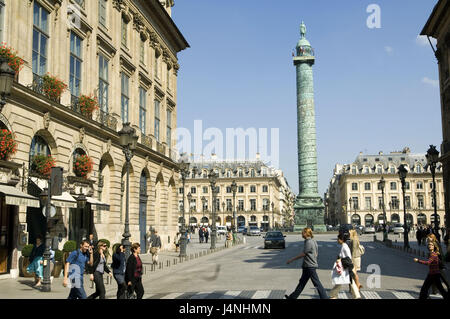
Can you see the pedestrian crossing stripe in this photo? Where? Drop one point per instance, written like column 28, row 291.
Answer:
column 278, row 294
column 261, row 294
column 402, row 295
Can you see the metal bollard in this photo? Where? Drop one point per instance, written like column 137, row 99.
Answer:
column 174, row 261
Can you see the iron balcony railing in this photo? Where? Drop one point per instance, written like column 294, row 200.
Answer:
column 106, row 119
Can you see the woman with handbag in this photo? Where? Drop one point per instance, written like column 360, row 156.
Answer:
column 357, row 251
column 133, row 272
column 97, row 270
column 345, row 258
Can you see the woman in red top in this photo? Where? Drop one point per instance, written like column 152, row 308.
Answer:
column 133, row 272
column 434, row 274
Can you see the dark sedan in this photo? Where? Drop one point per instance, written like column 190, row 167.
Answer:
column 274, row 239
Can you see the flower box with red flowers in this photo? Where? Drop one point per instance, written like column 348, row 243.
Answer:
column 42, row 164
column 52, row 87
column 8, row 146
column 88, row 104
column 82, row 166
column 14, row 61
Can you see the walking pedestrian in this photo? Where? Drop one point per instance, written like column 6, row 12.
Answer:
column 200, row 234
column 36, row 261
column 229, row 241
column 206, row 231
column 345, row 258
column 177, row 241
column 419, row 235
column 434, row 273
column 98, row 268
column 309, row 266
column 155, row 246
column 75, row 263
column 357, row 251
column 118, row 267
column 133, row 272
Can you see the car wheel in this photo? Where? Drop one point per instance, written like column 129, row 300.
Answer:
column 284, row 246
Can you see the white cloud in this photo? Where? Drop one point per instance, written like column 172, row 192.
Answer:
column 423, row 41
column 431, row 82
column 388, row 49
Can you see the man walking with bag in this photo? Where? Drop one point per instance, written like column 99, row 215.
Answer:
column 155, row 246
column 309, row 255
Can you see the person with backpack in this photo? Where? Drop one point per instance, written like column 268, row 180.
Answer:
column 357, row 251
column 133, row 272
column 118, row 266
column 155, row 246
column 75, row 263
column 309, row 255
column 97, row 270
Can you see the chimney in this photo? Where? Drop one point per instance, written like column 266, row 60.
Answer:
column 213, row 156
column 258, row 156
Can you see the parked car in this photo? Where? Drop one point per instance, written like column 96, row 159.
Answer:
column 221, row 230
column 398, row 228
column 369, row 230
column 254, row 231
column 274, row 239
column 240, row 229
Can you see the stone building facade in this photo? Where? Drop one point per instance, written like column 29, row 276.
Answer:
column 438, row 27
column 258, row 186
column 124, row 53
column 355, row 197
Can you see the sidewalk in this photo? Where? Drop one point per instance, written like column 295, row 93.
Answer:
column 21, row 288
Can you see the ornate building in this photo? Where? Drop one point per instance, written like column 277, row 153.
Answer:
column 123, row 53
column 263, row 198
column 438, row 27
column 354, row 195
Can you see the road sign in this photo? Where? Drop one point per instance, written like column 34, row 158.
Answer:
column 52, row 211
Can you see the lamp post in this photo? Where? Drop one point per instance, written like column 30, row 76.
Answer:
column 273, row 218
column 128, row 141
column 212, row 180
column 189, row 198
column 203, row 204
column 46, row 282
column 223, row 213
column 432, row 159
column 382, row 184
column 233, row 224
column 402, row 174
column 6, row 80
column 184, row 171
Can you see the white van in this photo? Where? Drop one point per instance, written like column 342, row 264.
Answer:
column 221, row 230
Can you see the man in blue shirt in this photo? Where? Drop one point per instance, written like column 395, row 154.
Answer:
column 76, row 262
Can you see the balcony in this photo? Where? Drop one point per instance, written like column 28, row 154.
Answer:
column 106, row 119
column 160, row 148
column 305, row 51
column 38, row 86
column 147, row 141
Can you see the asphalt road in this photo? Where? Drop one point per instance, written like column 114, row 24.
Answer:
column 250, row 271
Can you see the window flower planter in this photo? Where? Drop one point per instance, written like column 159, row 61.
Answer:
column 82, row 166
column 52, row 87
column 42, row 164
column 14, row 61
column 88, row 104
column 8, row 146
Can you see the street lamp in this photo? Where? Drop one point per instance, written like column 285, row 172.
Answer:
column 273, row 219
column 382, row 184
column 432, row 159
column 46, row 282
column 184, row 171
column 402, row 171
column 223, row 213
column 128, row 141
column 203, row 205
column 234, row 189
column 212, row 180
column 189, row 198
column 7, row 75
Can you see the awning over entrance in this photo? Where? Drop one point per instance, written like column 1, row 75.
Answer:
column 96, row 204
column 64, row 200
column 13, row 196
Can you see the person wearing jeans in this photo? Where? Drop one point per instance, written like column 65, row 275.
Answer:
column 118, row 267
column 309, row 255
column 75, row 263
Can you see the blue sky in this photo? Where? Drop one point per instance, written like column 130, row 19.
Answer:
column 375, row 89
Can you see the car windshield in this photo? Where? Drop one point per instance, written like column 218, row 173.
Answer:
column 398, row 225
column 274, row 234
column 254, row 228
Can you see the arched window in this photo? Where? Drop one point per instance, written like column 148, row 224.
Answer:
column 252, row 173
column 418, row 168
column 379, row 169
column 395, row 218
column 356, row 219
column 392, row 170
column 39, row 147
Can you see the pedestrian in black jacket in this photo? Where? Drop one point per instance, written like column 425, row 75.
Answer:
column 118, row 266
column 98, row 268
column 133, row 272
